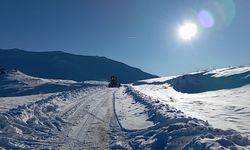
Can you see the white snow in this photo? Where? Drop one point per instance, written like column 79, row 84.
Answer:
column 8, row 103
column 148, row 115
column 131, row 114
column 229, row 71
column 161, row 79
column 34, row 81
column 225, row 108
column 16, row 83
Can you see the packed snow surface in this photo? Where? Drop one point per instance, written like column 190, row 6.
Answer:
column 229, row 71
column 224, row 108
column 16, row 83
column 142, row 116
column 132, row 115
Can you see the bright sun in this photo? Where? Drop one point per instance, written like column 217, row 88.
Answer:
column 187, row 31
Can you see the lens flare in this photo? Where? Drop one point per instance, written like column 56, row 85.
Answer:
column 217, row 14
column 206, row 19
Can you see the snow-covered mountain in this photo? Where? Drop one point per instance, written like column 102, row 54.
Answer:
column 61, row 65
column 15, row 83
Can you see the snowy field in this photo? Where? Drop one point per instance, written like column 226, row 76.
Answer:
column 156, row 114
column 225, row 109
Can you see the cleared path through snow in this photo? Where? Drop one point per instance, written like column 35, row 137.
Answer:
column 89, row 121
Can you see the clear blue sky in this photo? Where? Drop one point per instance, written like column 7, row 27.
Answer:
column 137, row 32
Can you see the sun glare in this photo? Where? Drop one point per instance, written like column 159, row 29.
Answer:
column 187, row 31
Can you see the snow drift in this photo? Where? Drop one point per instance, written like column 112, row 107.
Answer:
column 222, row 99
column 226, row 78
column 172, row 129
column 16, row 83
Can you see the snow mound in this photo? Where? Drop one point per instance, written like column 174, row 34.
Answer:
column 226, row 78
column 174, row 130
column 16, row 83
column 131, row 114
column 229, row 71
column 39, row 124
column 29, row 125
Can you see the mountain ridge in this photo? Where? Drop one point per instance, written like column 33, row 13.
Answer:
column 62, row 65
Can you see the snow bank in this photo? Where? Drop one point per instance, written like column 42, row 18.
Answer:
column 16, row 83
column 226, row 109
column 38, row 124
column 174, row 130
column 223, row 72
column 29, row 125
column 131, row 114
column 8, row 103
column 226, row 78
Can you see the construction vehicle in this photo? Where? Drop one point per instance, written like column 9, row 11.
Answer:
column 2, row 71
column 114, row 82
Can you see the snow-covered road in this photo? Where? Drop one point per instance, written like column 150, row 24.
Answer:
column 97, row 117
column 90, row 118
column 70, row 120
column 78, row 119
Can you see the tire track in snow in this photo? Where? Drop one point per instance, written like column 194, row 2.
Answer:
column 102, row 128
column 84, row 99
column 88, row 116
column 118, row 137
column 91, row 131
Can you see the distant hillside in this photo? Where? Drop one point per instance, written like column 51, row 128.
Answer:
column 224, row 78
column 61, row 65
column 16, row 83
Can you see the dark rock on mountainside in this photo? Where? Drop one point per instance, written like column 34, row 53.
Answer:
column 61, row 65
